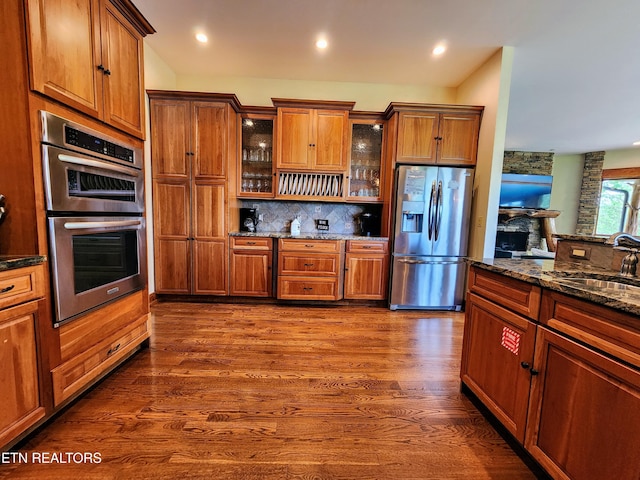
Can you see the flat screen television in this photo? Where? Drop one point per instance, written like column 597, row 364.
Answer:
column 525, row 191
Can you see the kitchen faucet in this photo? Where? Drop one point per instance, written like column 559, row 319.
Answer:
column 630, row 261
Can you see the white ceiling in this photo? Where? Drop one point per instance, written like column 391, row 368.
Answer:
column 576, row 75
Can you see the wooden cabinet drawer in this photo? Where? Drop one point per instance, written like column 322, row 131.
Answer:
column 310, row 288
column 21, row 285
column 302, row 245
column 367, row 246
column 79, row 371
column 310, row 265
column 251, row 243
column 613, row 332
column 521, row 297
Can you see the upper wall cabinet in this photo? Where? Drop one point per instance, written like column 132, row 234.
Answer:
column 88, row 54
column 312, row 136
column 430, row 134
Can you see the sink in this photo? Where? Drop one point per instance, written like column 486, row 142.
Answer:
column 600, row 284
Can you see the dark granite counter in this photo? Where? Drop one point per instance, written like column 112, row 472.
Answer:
column 553, row 275
column 307, row 236
column 10, row 262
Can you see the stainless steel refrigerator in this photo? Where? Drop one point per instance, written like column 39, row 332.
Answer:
column 431, row 236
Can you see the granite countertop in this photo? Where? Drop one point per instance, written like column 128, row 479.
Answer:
column 10, row 262
column 308, row 236
column 550, row 274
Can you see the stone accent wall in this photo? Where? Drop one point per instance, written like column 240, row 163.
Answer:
column 590, row 193
column 540, row 163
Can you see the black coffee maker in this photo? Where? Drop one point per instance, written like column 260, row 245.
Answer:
column 248, row 219
column 369, row 224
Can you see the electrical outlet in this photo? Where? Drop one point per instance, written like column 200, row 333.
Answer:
column 348, row 225
column 318, row 209
column 255, row 205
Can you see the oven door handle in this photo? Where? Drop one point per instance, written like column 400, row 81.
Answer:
column 104, row 225
column 87, row 162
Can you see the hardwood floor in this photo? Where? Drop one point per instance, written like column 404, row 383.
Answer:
column 281, row 392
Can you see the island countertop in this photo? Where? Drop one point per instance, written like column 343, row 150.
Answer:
column 550, row 274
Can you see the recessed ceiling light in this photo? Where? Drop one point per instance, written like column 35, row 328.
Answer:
column 202, row 38
column 322, row 43
column 636, row 143
column 439, row 49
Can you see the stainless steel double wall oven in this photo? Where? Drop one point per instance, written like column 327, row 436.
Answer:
column 94, row 192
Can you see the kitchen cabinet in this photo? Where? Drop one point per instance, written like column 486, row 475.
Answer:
column 21, row 291
column 251, row 266
column 192, row 147
column 310, row 269
column 312, row 136
column 88, row 54
column 256, row 156
column 585, row 412
column 366, row 165
column 431, row 135
column 366, row 271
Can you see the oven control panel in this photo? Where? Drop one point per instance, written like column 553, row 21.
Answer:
column 92, row 143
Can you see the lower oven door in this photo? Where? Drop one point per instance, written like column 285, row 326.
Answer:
column 95, row 260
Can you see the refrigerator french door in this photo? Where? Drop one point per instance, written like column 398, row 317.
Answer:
column 430, row 237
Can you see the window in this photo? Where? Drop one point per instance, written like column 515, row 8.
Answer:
column 619, row 202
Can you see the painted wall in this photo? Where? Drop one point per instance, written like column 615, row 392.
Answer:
column 627, row 158
column 488, row 86
column 565, row 194
column 368, row 96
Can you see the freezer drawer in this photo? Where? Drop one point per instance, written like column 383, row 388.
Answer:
column 427, row 283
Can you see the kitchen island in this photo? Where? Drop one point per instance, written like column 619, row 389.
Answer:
column 553, row 351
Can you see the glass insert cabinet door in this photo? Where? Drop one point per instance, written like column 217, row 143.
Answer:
column 366, row 159
column 256, row 157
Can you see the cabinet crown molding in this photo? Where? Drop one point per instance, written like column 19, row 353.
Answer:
column 395, row 107
column 318, row 104
column 229, row 98
column 133, row 15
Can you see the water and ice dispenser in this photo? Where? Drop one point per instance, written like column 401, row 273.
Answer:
column 413, row 201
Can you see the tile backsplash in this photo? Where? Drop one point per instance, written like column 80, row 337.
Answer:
column 277, row 215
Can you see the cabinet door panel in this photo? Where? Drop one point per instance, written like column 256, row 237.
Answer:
column 122, row 57
column 172, row 260
column 171, row 209
column 587, row 425
column 416, row 139
column 294, row 138
column 19, row 372
column 209, row 144
column 250, row 273
column 366, row 276
column 496, row 343
column 209, row 211
column 210, row 267
column 64, row 52
column 459, row 142
column 331, row 137
column 170, row 138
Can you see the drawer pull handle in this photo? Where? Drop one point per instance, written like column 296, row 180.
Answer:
column 308, row 264
column 7, row 289
column 367, row 247
column 307, row 288
column 113, row 350
column 308, row 245
column 251, row 243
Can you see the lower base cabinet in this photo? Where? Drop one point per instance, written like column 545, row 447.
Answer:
column 251, row 267
column 584, row 418
column 565, row 383
column 366, row 270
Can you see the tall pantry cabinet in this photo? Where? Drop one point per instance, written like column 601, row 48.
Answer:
column 193, row 151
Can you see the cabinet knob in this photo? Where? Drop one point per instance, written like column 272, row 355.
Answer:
column 107, row 71
column 534, row 371
column 100, row 67
column 525, row 365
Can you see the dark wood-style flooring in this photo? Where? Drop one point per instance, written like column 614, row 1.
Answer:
column 282, row 392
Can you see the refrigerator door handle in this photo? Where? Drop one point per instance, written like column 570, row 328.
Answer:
column 431, row 215
column 412, row 261
column 438, row 211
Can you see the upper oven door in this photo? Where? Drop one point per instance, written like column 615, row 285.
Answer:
column 78, row 183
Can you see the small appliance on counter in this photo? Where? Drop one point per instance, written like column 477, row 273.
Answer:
column 248, row 220
column 369, row 224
